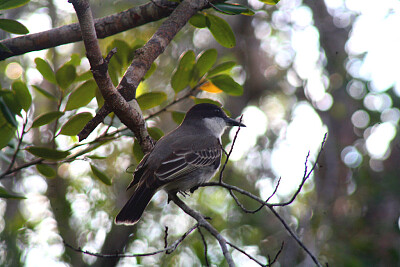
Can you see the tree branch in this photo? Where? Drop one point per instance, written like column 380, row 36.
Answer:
column 127, row 114
column 107, row 26
column 204, row 223
column 146, row 55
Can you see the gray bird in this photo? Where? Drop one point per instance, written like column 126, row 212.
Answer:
column 181, row 160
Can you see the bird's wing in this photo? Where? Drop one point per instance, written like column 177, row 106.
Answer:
column 139, row 171
column 186, row 160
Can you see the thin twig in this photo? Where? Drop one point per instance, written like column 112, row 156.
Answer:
column 245, row 253
column 167, row 250
column 230, row 151
column 205, row 246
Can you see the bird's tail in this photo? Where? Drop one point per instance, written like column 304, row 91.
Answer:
column 133, row 209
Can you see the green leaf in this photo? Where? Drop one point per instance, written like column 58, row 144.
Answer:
column 45, row 93
column 82, row 95
column 155, row 133
column 99, row 98
column 5, row 194
column 221, row 67
column 150, row 100
column 75, row 60
column 137, row 151
column 233, row 9
column 46, row 118
column 227, row 84
column 75, row 124
column 205, row 61
column 13, row 26
column 96, row 157
column 270, row 2
column 44, row 68
column 153, row 67
column 207, row 100
column 7, row 113
column 123, row 51
column 46, row 170
column 221, row 31
column 47, row 153
column 65, row 76
column 100, row 175
column 22, row 94
column 8, row 4
column 183, row 73
column 11, row 102
column 198, row 20
column 8, row 124
column 177, row 116
column 84, row 76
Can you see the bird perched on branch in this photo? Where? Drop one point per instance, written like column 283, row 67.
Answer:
column 181, row 160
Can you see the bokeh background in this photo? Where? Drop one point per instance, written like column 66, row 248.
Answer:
column 307, row 68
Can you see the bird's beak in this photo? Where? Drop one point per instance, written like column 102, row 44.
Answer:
column 232, row 122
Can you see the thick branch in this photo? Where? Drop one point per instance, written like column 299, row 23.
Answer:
column 146, row 55
column 107, row 26
column 127, row 114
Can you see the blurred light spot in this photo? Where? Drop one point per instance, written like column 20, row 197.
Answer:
column 376, row 165
column 325, row 103
column 351, row 157
column 34, row 184
column 202, row 38
column 378, row 141
column 262, row 29
column 360, row 119
column 256, row 125
column 391, row 115
column 13, row 70
column 377, row 102
column 356, row 89
column 302, row 16
column 342, row 19
column 293, row 79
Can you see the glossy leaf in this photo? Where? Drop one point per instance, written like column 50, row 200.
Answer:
column 198, row 20
column 8, row 124
column 75, row 60
column 155, row 133
column 183, row 73
column 82, row 95
column 270, row 2
column 47, row 153
column 46, row 118
column 8, row 4
column 4, row 194
column 221, row 67
column 44, row 68
column 233, row 9
column 227, row 84
column 205, row 61
column 46, row 170
column 221, row 31
column 22, row 94
column 45, row 93
column 100, row 175
column 13, row 26
column 7, row 114
column 75, row 124
column 11, row 102
column 177, row 116
column 65, row 76
column 150, row 100
column 210, row 87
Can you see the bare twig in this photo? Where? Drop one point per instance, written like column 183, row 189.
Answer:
column 204, row 223
column 271, row 262
column 245, row 253
column 230, row 151
column 205, row 246
column 167, row 250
